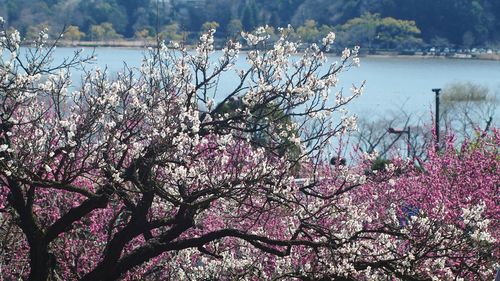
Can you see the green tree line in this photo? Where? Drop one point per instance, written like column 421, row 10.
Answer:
column 378, row 23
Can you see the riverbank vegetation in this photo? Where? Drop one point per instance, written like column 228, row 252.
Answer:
column 402, row 25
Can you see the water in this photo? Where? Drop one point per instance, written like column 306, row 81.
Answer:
column 392, row 84
column 407, row 83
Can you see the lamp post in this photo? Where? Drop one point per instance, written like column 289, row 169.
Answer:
column 399, row 132
column 437, row 91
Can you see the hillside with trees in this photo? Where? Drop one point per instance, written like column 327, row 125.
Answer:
column 450, row 23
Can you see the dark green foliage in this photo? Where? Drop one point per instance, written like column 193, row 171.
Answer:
column 380, row 164
column 464, row 23
column 267, row 119
column 371, row 30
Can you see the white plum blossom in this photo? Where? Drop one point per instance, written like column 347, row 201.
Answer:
column 329, row 39
column 4, row 147
column 47, row 168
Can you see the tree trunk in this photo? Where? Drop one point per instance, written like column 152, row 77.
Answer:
column 41, row 262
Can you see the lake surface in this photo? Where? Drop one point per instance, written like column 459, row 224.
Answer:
column 392, row 84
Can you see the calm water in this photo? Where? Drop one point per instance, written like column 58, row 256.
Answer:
column 391, row 83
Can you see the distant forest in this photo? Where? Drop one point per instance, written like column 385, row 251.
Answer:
column 388, row 24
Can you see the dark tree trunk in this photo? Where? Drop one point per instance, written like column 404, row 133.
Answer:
column 41, row 262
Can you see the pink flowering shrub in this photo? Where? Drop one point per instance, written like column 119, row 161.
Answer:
column 447, row 209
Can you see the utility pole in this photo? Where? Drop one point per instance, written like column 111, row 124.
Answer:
column 437, row 91
column 158, row 23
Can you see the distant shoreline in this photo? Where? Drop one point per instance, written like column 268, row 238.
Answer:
column 112, row 43
column 457, row 56
column 139, row 44
column 490, row 57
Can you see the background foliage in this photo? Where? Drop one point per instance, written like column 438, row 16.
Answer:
column 464, row 23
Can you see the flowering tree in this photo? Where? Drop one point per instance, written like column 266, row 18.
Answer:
column 151, row 176
column 148, row 161
column 445, row 209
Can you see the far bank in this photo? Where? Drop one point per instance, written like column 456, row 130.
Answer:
column 424, row 54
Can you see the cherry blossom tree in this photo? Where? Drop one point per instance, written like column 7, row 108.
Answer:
column 160, row 175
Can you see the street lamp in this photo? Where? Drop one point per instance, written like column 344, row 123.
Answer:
column 399, row 132
column 437, row 91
